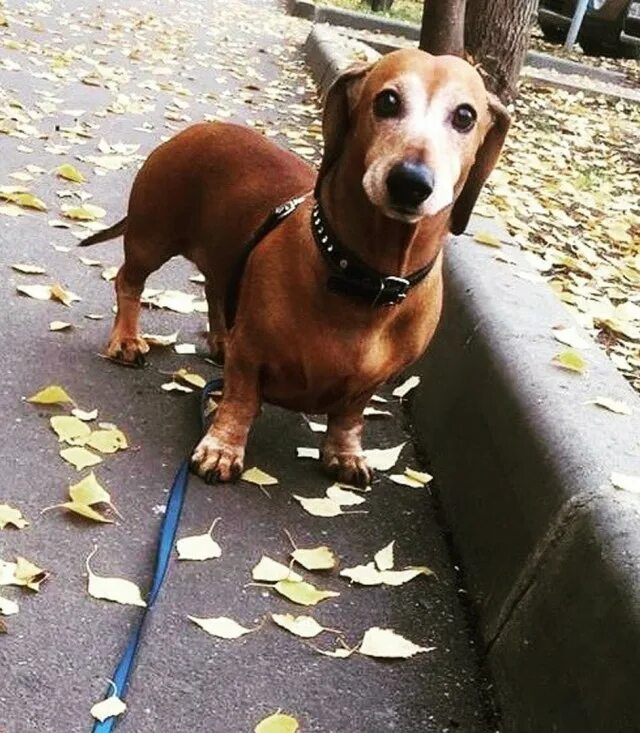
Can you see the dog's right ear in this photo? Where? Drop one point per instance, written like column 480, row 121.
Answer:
column 339, row 102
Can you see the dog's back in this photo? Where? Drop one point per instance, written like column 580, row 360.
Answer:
column 202, row 193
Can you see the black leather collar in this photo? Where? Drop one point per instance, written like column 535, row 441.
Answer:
column 351, row 276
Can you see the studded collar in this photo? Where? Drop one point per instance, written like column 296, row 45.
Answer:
column 350, row 275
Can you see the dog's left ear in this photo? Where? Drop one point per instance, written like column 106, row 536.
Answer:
column 338, row 104
column 486, row 158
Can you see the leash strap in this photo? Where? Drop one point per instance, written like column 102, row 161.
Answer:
column 166, row 541
column 277, row 215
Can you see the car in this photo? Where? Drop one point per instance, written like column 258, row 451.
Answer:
column 610, row 27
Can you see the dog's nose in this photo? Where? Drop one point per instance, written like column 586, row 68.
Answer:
column 409, row 184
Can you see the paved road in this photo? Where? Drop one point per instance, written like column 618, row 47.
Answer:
column 73, row 74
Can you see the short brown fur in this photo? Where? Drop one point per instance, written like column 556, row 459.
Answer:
column 294, row 343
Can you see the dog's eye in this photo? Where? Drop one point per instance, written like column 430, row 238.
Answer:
column 464, row 118
column 387, row 104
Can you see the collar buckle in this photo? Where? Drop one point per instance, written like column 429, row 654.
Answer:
column 393, row 290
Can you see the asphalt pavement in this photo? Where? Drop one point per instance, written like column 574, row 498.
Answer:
column 83, row 79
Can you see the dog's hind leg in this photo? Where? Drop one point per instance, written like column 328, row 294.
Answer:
column 217, row 328
column 126, row 345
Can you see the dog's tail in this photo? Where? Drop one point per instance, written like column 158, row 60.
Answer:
column 103, row 235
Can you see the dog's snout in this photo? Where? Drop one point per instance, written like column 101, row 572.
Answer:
column 409, row 184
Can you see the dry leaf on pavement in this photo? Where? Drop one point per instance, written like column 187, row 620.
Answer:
column 271, row 571
column 387, row 644
column 407, row 386
column 199, row 547
column 108, row 708
column 118, row 590
column 625, row 482
column 303, row 593
column 304, row 626
column 259, row 477
column 382, row 459
column 278, row 723
column 8, row 607
column 222, row 627
column 617, row 406
column 52, row 395
column 80, row 458
column 10, row 515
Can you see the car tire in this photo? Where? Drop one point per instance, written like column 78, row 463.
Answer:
column 596, row 47
column 552, row 33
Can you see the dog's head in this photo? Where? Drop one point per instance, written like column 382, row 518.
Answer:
column 424, row 129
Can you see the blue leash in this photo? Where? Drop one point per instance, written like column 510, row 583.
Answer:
column 166, row 540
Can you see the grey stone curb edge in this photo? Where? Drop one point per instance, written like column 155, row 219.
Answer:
column 362, row 21
column 550, row 549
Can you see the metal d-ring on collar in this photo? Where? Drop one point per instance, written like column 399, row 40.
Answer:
column 351, row 276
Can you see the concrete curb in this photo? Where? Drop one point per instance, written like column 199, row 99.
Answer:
column 350, row 19
column 540, row 68
column 551, row 550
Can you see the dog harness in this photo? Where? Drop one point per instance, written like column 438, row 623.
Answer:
column 350, row 275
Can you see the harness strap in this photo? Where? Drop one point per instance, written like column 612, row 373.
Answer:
column 277, row 216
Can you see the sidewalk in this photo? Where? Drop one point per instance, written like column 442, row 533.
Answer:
column 74, row 77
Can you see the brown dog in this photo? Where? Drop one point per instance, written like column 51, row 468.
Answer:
column 409, row 142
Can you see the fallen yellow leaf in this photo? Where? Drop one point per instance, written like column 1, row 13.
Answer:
column 114, row 589
column 8, row 607
column 28, row 269
column 257, row 476
column 303, row 593
column 271, row 571
column 304, row 626
column 407, row 386
column 387, row 644
column 59, row 326
column 343, row 497
column 222, row 627
column 199, row 547
column 107, row 441
column 70, row 429
column 316, row 558
column 383, row 459
column 70, row 173
column 570, row 360
column 80, row 457
column 52, row 395
column 384, row 557
column 617, row 406
column 320, row 507
column 487, row 238
column 9, row 515
column 277, row 723
column 625, row 482
column 84, row 510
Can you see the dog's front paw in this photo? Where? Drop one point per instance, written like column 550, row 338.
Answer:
column 128, row 350
column 348, row 468
column 214, row 460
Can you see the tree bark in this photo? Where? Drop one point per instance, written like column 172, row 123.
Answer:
column 497, row 37
column 443, row 27
column 381, row 5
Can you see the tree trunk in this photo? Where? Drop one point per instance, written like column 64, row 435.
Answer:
column 443, row 27
column 497, row 36
column 381, row 4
